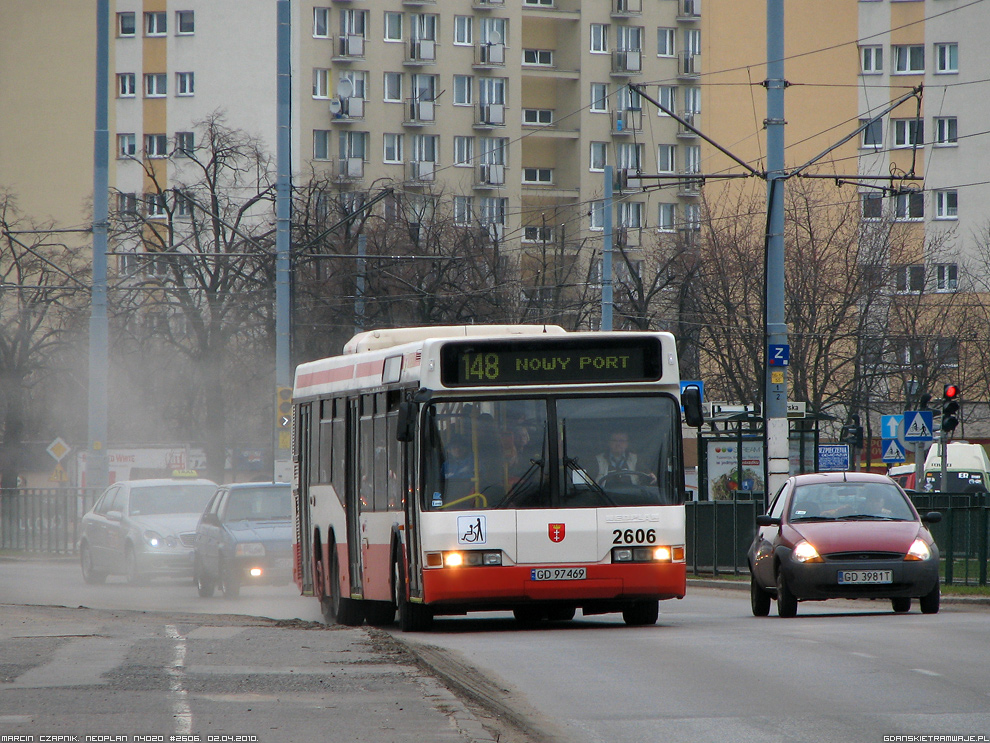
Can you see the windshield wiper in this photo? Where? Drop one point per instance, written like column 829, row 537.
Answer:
column 536, row 465
column 588, row 480
column 869, row 517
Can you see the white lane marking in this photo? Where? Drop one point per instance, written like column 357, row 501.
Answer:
column 178, row 695
column 864, row 655
column 925, row 672
column 80, row 662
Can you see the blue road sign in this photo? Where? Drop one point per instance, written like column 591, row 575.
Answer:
column 893, row 451
column 918, row 425
column 891, row 427
column 833, row 457
column 778, row 355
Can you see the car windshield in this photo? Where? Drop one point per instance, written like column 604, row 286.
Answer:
column 161, row 499
column 849, row 501
column 259, row 504
column 579, row 452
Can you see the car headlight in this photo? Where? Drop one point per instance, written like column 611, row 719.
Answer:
column 153, row 538
column 918, row 551
column 250, row 549
column 804, row 551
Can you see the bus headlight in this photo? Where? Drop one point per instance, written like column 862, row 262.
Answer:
column 465, row 558
column 660, row 553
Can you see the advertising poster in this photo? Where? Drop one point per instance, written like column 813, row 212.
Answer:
column 724, row 482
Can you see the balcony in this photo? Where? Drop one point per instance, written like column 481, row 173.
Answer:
column 348, row 47
column 691, row 117
column 421, row 52
column 688, row 10
column 490, row 115
column 627, row 122
column 626, row 8
column 420, row 172
column 350, row 169
column 420, row 113
column 690, row 183
column 490, row 175
column 489, row 55
column 488, row 4
column 345, row 110
column 688, row 64
column 627, row 62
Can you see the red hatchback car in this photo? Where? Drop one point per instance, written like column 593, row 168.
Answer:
column 843, row 535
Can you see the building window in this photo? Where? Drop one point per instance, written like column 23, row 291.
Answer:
column 909, row 59
column 155, row 145
column 393, row 87
column 155, row 205
column 540, row 176
column 692, row 99
column 125, row 85
column 946, row 58
column 692, row 159
column 464, row 151
column 185, row 144
column 463, row 211
column 599, row 98
column 321, row 23
column 909, row 133
column 185, row 83
column 871, row 60
column 155, row 85
column 463, row 90
column 155, row 24
column 393, row 148
column 666, row 216
column 321, row 83
column 538, row 57
column 946, row 277
column 909, row 279
column 599, row 156
column 321, row 144
column 945, row 131
column 185, row 22
column 947, row 204
column 537, row 116
column 692, row 217
column 909, row 206
column 353, row 145
column 127, row 204
column 596, row 215
column 629, row 156
column 666, row 158
column 872, row 135
column 126, row 145
column 126, row 25
column 463, row 30
column 393, row 26
column 599, row 38
column 183, row 204
column 665, row 42
column 630, row 214
column 667, row 97
column 947, row 352
column 872, row 204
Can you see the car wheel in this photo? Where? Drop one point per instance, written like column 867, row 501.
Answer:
column 90, row 574
column 786, row 601
column 131, row 570
column 229, row 583
column 759, row 599
column 205, row 584
column 412, row 617
column 344, row 611
column 641, row 613
column 901, row 604
column 929, row 603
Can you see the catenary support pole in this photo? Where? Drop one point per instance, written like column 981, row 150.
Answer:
column 283, row 215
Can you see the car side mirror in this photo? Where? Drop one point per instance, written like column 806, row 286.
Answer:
column 932, row 517
column 211, row 518
column 115, row 515
column 765, row 519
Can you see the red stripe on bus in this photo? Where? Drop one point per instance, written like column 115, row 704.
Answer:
column 499, row 584
column 326, row 376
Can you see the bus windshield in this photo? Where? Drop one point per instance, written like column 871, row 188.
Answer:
column 552, row 452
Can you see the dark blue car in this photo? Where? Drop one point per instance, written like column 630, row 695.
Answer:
column 244, row 537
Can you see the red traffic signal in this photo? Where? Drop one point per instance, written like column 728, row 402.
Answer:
column 951, row 392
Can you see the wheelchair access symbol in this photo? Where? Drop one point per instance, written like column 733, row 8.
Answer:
column 472, row 529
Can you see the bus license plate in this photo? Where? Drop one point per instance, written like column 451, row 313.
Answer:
column 558, row 574
column 865, row 577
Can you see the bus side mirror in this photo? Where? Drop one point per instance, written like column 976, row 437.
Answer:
column 406, row 423
column 691, row 401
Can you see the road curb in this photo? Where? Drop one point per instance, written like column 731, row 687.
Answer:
column 740, row 585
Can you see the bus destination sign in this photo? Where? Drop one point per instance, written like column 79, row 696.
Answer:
column 563, row 361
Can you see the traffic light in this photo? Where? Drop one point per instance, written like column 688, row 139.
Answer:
column 852, row 432
column 950, row 407
column 283, row 407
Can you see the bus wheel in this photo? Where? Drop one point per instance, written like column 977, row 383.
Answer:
column 529, row 615
column 560, row 613
column 344, row 611
column 641, row 613
column 412, row 617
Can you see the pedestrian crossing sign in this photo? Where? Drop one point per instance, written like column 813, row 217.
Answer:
column 893, row 451
column 918, row 425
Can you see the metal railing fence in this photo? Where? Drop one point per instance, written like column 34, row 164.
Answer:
column 39, row 520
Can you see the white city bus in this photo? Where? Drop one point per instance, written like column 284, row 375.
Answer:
column 444, row 470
